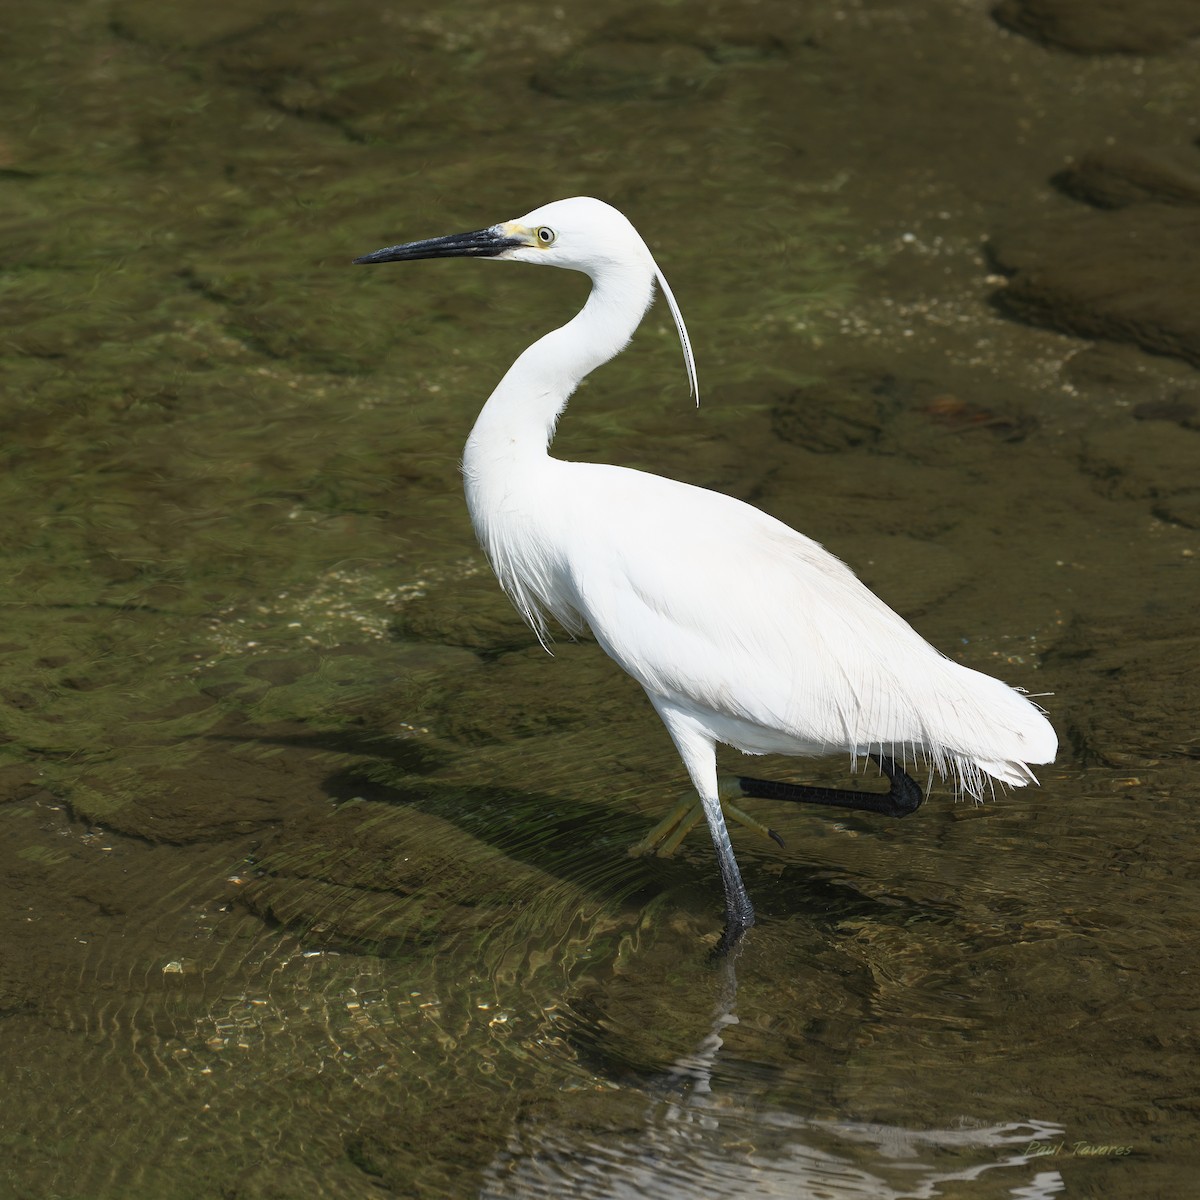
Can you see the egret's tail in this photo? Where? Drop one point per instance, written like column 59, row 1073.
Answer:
column 1001, row 733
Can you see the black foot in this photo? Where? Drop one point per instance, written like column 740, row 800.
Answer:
column 904, row 797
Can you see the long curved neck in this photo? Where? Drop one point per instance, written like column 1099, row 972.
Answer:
column 519, row 418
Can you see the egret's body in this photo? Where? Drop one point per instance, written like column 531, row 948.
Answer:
column 740, row 629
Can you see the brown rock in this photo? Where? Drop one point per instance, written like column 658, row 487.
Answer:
column 1115, row 177
column 1128, row 276
column 1102, row 26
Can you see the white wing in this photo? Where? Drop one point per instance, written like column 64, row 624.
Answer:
column 727, row 612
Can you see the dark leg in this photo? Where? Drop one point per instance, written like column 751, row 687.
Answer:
column 904, row 797
column 739, row 912
column 731, row 935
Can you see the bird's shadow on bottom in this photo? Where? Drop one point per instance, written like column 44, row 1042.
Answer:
column 585, row 844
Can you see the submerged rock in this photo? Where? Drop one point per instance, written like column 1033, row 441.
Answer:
column 662, row 53
column 1102, row 26
column 1146, row 716
column 1115, row 177
column 1156, row 461
column 1128, row 276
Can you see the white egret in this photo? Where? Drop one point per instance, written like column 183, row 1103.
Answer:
column 740, row 629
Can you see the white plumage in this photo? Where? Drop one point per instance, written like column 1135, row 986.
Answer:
column 740, row 629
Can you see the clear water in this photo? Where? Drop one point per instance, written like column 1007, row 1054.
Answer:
column 314, row 864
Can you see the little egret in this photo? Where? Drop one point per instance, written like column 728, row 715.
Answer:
column 740, row 629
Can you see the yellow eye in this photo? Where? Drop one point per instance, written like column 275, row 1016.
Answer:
column 545, row 235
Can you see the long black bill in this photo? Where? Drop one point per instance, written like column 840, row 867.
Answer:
column 482, row 243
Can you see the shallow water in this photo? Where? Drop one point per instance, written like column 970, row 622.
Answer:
column 315, row 865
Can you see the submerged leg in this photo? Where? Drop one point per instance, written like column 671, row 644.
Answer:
column 739, row 912
column 665, row 838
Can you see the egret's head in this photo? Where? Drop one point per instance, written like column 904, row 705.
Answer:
column 580, row 234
